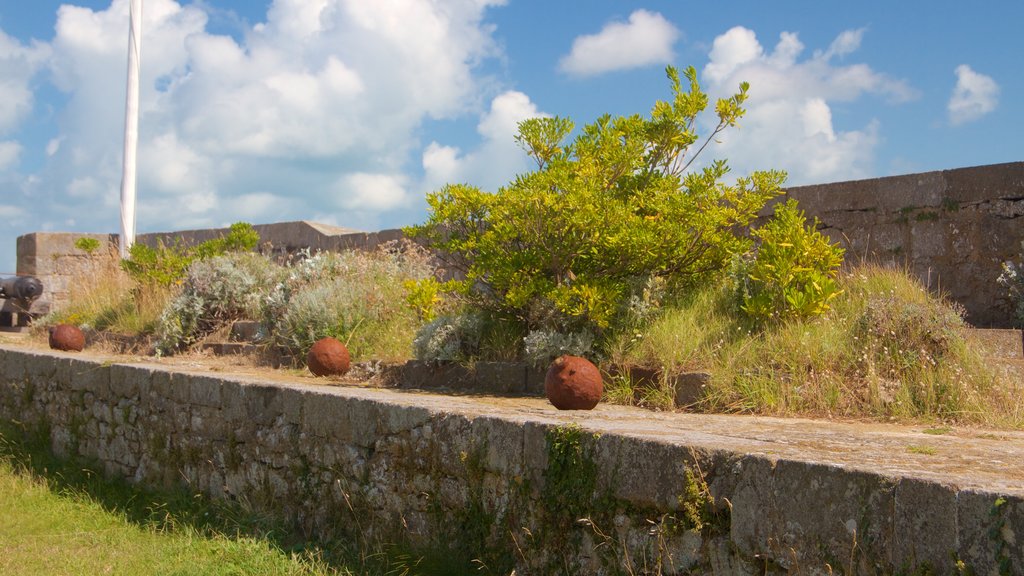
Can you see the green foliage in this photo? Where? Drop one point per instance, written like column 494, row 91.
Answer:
column 216, row 291
column 566, row 247
column 167, row 265
column 87, row 245
column 106, row 525
column 886, row 349
column 424, row 297
column 571, row 477
column 357, row 297
column 793, row 274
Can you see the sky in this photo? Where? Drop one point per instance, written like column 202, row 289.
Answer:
column 348, row 112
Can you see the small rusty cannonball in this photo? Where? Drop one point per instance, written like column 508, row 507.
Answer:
column 573, row 383
column 66, row 337
column 328, row 357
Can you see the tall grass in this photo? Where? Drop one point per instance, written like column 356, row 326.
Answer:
column 107, row 299
column 886, row 350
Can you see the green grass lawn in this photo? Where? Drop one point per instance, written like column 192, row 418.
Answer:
column 59, row 519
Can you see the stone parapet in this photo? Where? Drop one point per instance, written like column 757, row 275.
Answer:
column 953, row 229
column 518, row 485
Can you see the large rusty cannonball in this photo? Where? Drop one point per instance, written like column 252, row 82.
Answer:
column 66, row 337
column 328, row 357
column 573, row 383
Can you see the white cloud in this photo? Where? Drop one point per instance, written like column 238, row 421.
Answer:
column 9, row 153
column 18, row 65
column 372, row 192
column 974, row 96
column 789, row 123
column 313, row 112
column 647, row 38
column 8, row 212
column 497, row 160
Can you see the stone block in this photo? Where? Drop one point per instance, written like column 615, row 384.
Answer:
column 504, row 441
column 755, row 518
column 924, row 526
column 829, row 515
column 398, row 419
column 205, row 391
column 990, row 531
column 81, row 375
column 646, row 473
column 179, row 387
column 928, row 240
column 689, row 387
column 124, row 380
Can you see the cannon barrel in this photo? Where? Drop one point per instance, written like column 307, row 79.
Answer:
column 24, row 288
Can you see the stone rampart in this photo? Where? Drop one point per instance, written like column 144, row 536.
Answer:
column 519, row 485
column 953, row 229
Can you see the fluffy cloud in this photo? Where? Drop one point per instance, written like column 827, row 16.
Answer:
column 18, row 64
column 974, row 96
column 497, row 159
column 647, row 38
column 313, row 112
column 789, row 122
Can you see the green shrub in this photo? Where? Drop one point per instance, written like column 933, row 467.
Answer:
column 566, row 248
column 793, row 272
column 216, row 291
column 87, row 245
column 357, row 297
column 167, row 265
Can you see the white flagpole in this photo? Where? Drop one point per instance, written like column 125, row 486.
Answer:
column 131, row 128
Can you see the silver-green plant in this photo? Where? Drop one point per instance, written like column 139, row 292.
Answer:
column 216, row 291
column 355, row 296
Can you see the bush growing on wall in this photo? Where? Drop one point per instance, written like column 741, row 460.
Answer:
column 567, row 247
column 168, row 265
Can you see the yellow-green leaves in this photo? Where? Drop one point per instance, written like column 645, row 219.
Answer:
column 793, row 274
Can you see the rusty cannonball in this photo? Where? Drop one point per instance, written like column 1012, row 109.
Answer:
column 66, row 337
column 573, row 383
column 328, row 357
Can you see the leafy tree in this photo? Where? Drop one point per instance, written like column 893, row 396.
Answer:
column 566, row 246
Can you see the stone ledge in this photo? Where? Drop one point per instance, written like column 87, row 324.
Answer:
column 802, row 493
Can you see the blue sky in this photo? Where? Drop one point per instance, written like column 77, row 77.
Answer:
column 349, row 111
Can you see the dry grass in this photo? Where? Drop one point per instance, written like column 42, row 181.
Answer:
column 107, row 299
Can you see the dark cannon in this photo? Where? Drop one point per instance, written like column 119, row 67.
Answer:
column 22, row 289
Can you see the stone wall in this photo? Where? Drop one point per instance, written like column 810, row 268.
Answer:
column 522, row 489
column 59, row 264
column 953, row 229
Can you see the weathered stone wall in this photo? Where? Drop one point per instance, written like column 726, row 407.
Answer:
column 58, row 263
column 953, row 228
column 507, row 487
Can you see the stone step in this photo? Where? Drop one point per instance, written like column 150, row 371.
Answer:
column 244, row 331
column 228, row 348
column 999, row 342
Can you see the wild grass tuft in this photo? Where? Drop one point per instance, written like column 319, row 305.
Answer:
column 105, row 298
column 886, row 350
